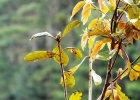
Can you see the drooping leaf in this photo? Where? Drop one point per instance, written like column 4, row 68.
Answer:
column 105, row 55
column 120, row 94
column 65, row 58
column 38, row 55
column 41, row 34
column 77, row 53
column 96, row 78
column 129, row 32
column 77, row 7
column 98, row 46
column 69, row 79
column 77, row 95
column 86, row 12
column 133, row 74
column 84, row 39
column 72, row 70
column 91, row 41
column 70, row 26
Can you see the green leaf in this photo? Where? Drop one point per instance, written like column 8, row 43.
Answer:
column 77, row 53
column 70, row 26
column 106, row 55
column 41, row 34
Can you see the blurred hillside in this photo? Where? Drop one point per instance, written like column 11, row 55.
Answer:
column 19, row 80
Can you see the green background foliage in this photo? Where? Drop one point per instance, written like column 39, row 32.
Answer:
column 19, row 80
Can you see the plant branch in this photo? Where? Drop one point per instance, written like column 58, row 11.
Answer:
column 62, row 71
column 90, row 77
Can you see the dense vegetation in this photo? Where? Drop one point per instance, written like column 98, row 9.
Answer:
column 20, row 19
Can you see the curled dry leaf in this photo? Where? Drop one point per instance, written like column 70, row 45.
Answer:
column 129, row 31
column 38, row 55
column 41, row 34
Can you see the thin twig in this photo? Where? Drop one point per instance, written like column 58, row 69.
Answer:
column 62, row 72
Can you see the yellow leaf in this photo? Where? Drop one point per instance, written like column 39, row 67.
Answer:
column 38, row 55
column 72, row 70
column 128, row 65
column 70, row 26
column 133, row 74
column 113, row 2
column 107, row 94
column 94, row 23
column 120, row 94
column 77, row 7
column 137, row 24
column 133, row 12
column 98, row 46
column 97, row 30
column 106, row 25
column 84, row 39
column 77, row 95
column 103, row 7
column 69, row 79
column 65, row 58
column 129, row 32
column 91, row 41
column 77, row 53
column 86, row 12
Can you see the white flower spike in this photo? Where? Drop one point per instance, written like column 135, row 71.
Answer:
column 96, row 78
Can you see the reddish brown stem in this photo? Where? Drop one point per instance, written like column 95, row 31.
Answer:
column 62, row 72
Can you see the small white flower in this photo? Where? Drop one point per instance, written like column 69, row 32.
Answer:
column 96, row 78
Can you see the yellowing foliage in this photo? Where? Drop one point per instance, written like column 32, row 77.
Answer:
column 129, row 32
column 91, row 41
column 103, row 7
column 38, row 55
column 77, row 95
column 77, row 53
column 77, row 7
column 86, row 12
column 65, row 58
column 70, row 26
column 69, row 79
column 98, row 46
column 133, row 74
column 84, row 39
